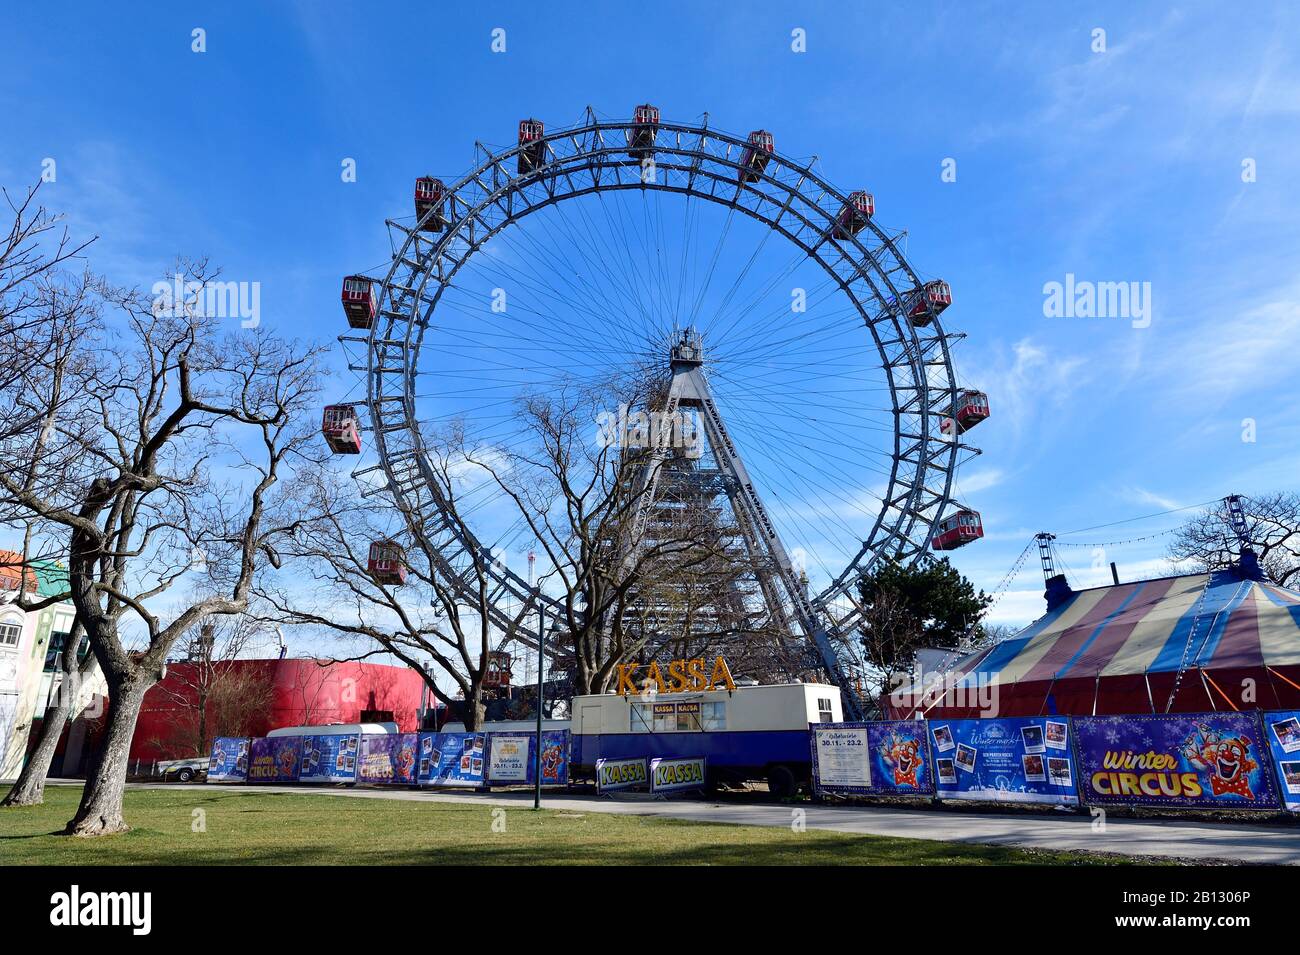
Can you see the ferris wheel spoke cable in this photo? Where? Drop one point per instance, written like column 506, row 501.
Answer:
column 650, row 234
column 631, row 275
column 759, row 468
column 564, row 269
column 797, row 260
column 737, row 284
column 621, row 241
column 520, row 347
column 763, row 293
column 575, row 309
column 703, row 288
column 540, row 286
column 763, row 340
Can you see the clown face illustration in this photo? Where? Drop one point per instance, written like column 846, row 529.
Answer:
column 1227, row 760
column 904, row 758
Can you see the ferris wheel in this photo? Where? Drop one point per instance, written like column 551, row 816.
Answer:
column 781, row 315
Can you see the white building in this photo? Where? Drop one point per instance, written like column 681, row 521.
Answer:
column 31, row 645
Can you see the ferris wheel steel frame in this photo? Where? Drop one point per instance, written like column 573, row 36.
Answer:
column 697, row 161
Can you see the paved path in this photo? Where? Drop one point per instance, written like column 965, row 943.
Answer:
column 1051, row 830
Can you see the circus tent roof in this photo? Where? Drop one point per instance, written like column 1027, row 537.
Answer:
column 1169, row 644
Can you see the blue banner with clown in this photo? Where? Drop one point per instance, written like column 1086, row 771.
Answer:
column 1015, row 759
column 1283, row 731
column 889, row 758
column 274, row 759
column 387, row 759
column 1202, row 760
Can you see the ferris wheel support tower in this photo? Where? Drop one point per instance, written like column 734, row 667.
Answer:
column 783, row 592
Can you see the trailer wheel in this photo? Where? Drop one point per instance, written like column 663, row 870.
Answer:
column 781, row 782
column 185, row 775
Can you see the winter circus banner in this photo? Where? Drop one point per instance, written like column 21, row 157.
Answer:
column 883, row 758
column 1021, row 759
column 388, row 759
column 274, row 759
column 1283, row 732
column 1188, row 760
column 229, row 759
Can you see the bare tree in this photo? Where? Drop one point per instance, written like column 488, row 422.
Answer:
column 1209, row 541
column 44, row 313
column 172, row 440
column 428, row 622
column 208, row 693
column 582, row 499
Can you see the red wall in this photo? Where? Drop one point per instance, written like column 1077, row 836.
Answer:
column 303, row 692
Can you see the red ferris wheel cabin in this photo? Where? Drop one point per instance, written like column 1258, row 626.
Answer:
column 970, row 408
column 387, row 562
column 359, row 301
column 341, row 429
column 754, row 159
column 645, row 126
column 429, row 197
column 928, row 301
column 853, row 217
column 957, row 530
column 532, row 151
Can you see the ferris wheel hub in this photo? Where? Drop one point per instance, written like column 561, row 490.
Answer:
column 687, row 349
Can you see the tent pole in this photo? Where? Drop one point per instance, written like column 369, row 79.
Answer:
column 1206, row 687
column 1048, row 695
column 1146, row 677
column 1096, row 691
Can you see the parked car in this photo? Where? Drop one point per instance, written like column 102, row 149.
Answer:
column 183, row 770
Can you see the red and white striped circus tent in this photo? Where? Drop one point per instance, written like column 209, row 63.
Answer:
column 1174, row 644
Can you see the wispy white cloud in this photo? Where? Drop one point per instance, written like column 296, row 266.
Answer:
column 1143, row 496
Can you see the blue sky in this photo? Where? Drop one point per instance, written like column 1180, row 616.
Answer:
column 1122, row 165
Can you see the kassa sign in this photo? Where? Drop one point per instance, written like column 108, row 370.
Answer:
column 1220, row 760
column 677, row 775
column 615, row 774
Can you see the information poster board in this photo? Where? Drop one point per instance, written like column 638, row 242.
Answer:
column 1016, row 759
column 388, row 758
column 274, row 759
column 509, row 756
column 1203, row 760
column 511, row 759
column 887, row 758
column 677, row 775
column 451, row 759
column 329, row 759
column 615, row 774
column 229, row 760
column 1283, row 731
column 841, row 758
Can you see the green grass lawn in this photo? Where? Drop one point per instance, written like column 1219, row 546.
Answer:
column 283, row 829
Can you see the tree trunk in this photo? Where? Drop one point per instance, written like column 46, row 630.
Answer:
column 30, row 788
column 100, row 812
column 475, row 711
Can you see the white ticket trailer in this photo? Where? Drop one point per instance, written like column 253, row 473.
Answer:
column 751, row 732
